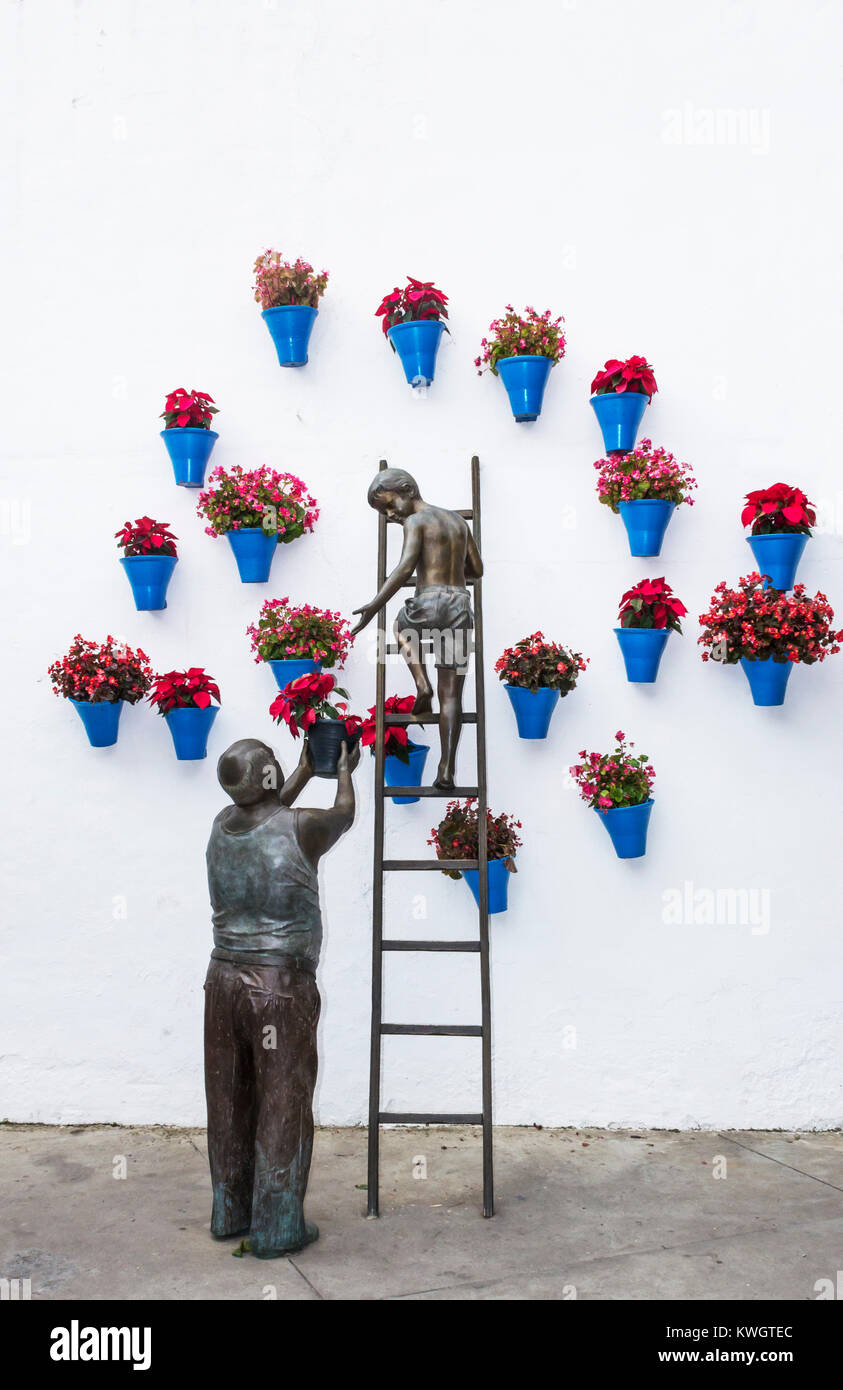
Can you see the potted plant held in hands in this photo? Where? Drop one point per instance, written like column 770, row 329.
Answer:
column 413, row 319
column 767, row 631
column 98, row 678
column 536, row 675
column 288, row 294
column 456, row 837
column 617, row 786
column 648, row 614
column 149, row 558
column 780, row 520
column 188, row 434
column 184, row 699
column 403, row 764
column 308, row 706
column 295, row 640
column 645, row 486
column 621, row 393
column 258, row 511
column 522, row 350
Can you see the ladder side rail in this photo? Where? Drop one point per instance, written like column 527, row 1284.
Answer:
column 373, row 1203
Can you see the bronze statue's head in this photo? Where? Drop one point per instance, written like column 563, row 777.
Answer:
column 394, row 492
column 248, row 770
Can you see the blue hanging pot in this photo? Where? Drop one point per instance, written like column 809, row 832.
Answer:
column 619, row 414
column 533, row 709
column 100, row 720
column 289, row 669
column 253, row 549
column 627, row 827
column 642, row 649
column 417, row 344
column 149, row 576
column 290, row 327
column 189, row 451
column 398, row 774
column 779, row 556
column 190, row 727
column 525, row 379
column 498, row 881
column 325, row 739
column 646, row 522
column 767, row 679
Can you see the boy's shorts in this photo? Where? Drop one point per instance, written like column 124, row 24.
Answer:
column 441, row 613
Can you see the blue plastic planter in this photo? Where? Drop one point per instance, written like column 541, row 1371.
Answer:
column 498, row 881
column 189, row 451
column 779, row 556
column 646, row 522
column 417, row 344
column 525, row 379
column 627, row 827
column 619, row 414
column 325, row 738
column 642, row 649
column 767, row 679
column 289, row 669
column 398, row 774
column 100, row 719
column 190, row 728
column 149, row 576
column 290, row 326
column 533, row 709
column 253, row 549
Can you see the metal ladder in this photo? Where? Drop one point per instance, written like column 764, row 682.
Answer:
column 480, row 946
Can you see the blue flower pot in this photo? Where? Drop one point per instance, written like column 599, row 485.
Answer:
column 398, row 774
column 253, row 549
column 149, row 576
column 325, row 739
column 627, row 827
column 290, row 327
column 533, row 709
column 417, row 345
column 525, row 379
column 642, row 649
column 767, row 679
column 189, row 451
column 100, row 719
column 289, row 669
column 619, row 414
column 778, row 557
column 646, row 522
column 190, row 728
column 498, row 881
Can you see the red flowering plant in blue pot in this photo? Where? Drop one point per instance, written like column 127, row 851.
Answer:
column 780, row 520
column 413, row 319
column 536, row 674
column 98, row 678
column 188, row 435
column 149, row 558
column 404, row 760
column 288, row 293
column 308, row 705
column 297, row 639
column 645, row 486
column 457, row 837
column 184, row 699
column 617, row 786
column 620, row 393
column 649, row 612
column 257, row 510
column 522, row 350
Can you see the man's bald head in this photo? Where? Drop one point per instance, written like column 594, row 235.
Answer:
column 249, row 769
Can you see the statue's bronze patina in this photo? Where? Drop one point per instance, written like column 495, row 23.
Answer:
column 439, row 550
column 261, row 999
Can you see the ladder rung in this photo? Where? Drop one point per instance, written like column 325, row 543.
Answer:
column 434, row 1030
column 412, row 1118
column 429, row 865
column 430, row 791
column 424, row 718
column 430, row 946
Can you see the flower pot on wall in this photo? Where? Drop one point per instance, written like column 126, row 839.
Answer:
column 767, row 679
column 290, row 668
column 498, row 882
column 190, row 727
column 290, row 327
column 778, row 556
column 100, row 719
column 149, row 576
column 399, row 774
column 189, row 451
column 254, row 550
column 642, row 650
column 417, row 344
column 646, row 522
column 326, row 738
column 533, row 709
column 525, row 379
column 627, row 827
column 619, row 415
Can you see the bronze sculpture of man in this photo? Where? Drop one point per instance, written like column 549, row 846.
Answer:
column 261, row 998
column 440, row 550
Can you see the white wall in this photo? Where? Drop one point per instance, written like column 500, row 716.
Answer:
column 559, row 154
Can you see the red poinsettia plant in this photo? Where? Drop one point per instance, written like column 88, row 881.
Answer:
column 652, row 603
column 755, row 623
column 396, row 740
column 101, row 672
column 619, row 778
column 521, row 335
column 146, row 537
column 646, row 473
column 286, row 631
column 635, row 374
column 417, row 300
column 309, row 698
column 190, row 410
column 536, row 664
column 191, row 689
column 456, row 835
column 258, row 497
column 778, row 510
column 279, row 282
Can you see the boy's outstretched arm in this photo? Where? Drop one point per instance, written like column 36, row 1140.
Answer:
column 320, row 830
column 403, row 571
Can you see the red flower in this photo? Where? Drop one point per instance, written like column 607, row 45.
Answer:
column 146, row 537
column 419, row 299
column 191, row 689
column 651, row 604
column 188, row 410
column 635, row 374
column 778, row 509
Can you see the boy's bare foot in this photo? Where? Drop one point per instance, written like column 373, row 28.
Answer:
column 423, row 703
column 444, row 780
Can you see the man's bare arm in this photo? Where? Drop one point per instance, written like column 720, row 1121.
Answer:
column 320, row 830
column 298, row 780
column 403, row 571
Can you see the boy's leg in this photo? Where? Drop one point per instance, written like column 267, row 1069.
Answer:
column 229, row 1090
column 451, row 684
column 409, row 645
